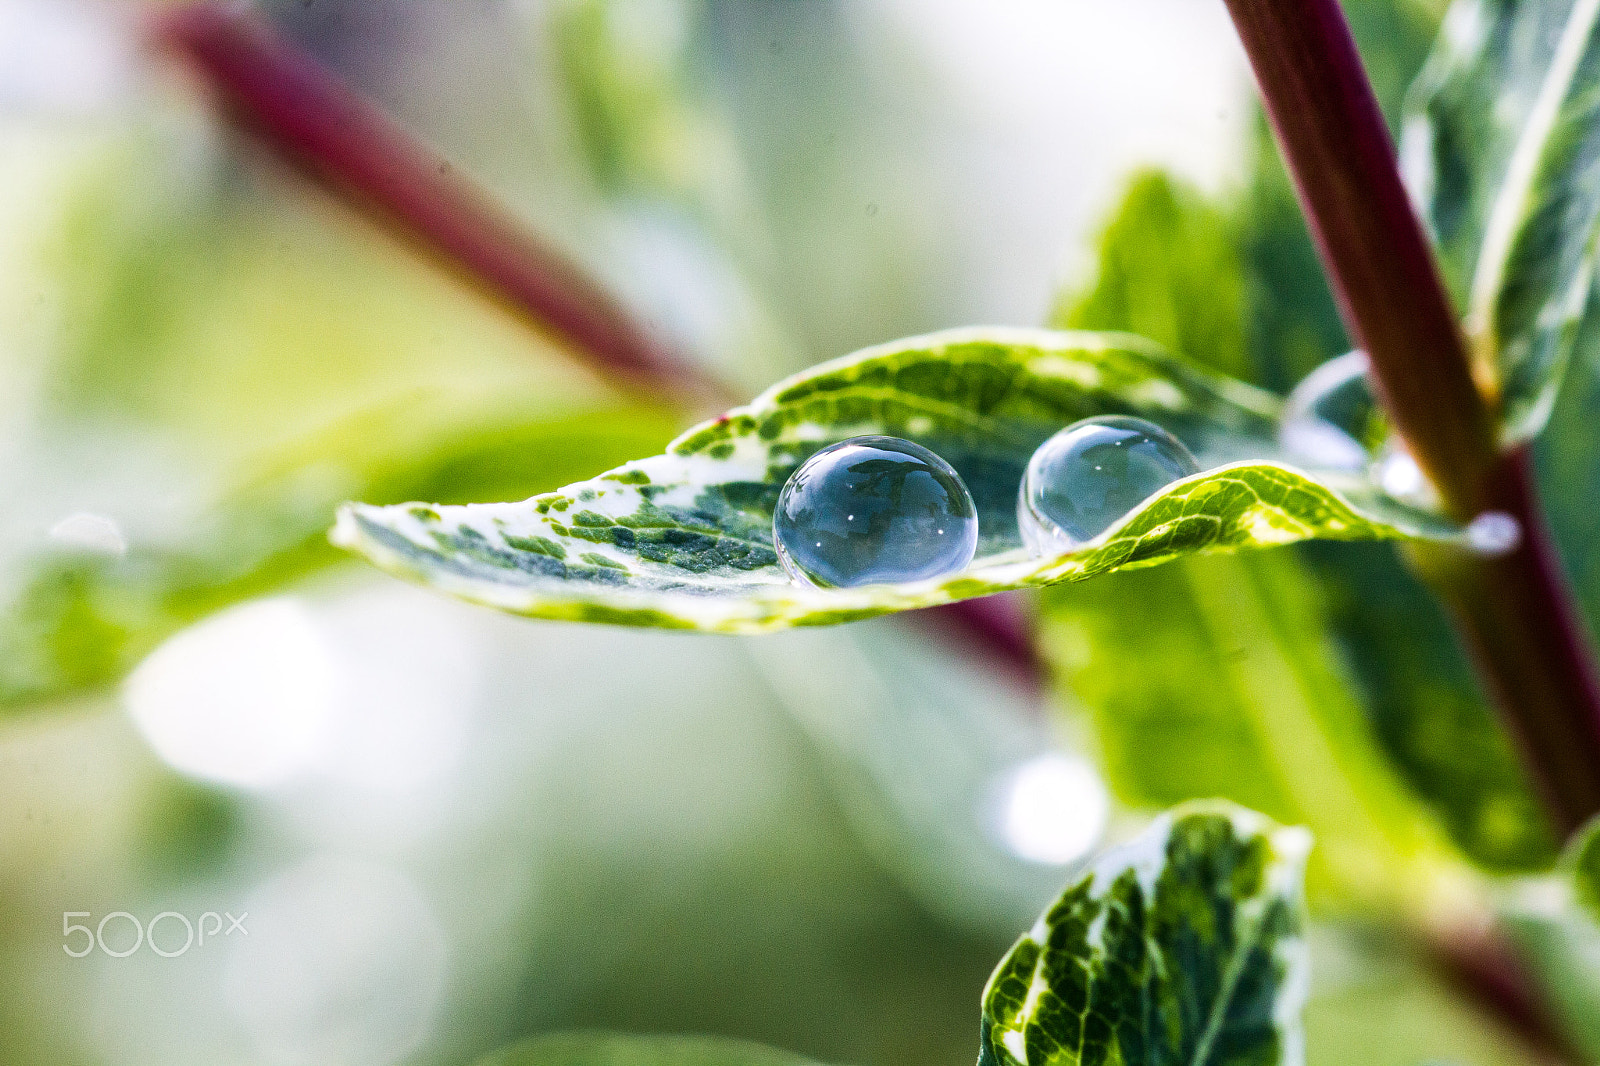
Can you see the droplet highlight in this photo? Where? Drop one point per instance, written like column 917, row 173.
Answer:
column 1494, row 533
column 1332, row 420
column 874, row 510
column 1091, row 474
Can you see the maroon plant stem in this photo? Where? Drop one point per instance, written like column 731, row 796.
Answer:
column 1378, row 258
column 1479, row 964
column 1527, row 638
column 1515, row 612
column 314, row 121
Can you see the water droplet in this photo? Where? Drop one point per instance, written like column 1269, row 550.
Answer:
column 874, row 510
column 1398, row 474
column 1331, row 419
column 1494, row 533
column 91, row 533
column 1089, row 475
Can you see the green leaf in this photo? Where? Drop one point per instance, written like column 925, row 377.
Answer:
column 1169, row 270
column 1226, row 682
column 1502, row 149
column 1235, row 679
column 1184, row 947
column 1583, row 864
column 683, row 539
column 617, row 1049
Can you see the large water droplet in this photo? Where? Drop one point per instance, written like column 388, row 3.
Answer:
column 1331, row 419
column 1089, row 475
column 873, row 510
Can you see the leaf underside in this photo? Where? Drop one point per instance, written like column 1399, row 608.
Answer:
column 1183, row 947
column 1502, row 150
column 683, row 540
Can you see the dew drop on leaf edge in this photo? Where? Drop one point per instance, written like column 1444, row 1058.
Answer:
column 874, row 510
column 1089, row 475
column 1331, row 419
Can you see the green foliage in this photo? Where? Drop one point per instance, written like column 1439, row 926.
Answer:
column 684, row 539
column 1223, row 681
column 1183, row 947
column 1170, row 270
column 1583, row 865
column 613, row 1049
column 1344, row 615
column 80, row 620
column 1568, row 454
column 1503, row 151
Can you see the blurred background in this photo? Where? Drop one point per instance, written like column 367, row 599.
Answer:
column 448, row 829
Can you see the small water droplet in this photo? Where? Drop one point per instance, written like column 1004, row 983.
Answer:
column 1494, row 533
column 1091, row 474
column 1398, row 474
column 905, row 497
column 91, row 533
column 1331, row 419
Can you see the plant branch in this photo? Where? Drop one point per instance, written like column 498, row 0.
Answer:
column 1382, row 269
column 1515, row 611
column 1481, row 965
column 314, row 121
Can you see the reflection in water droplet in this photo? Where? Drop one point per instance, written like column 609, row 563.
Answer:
column 1331, row 419
column 1398, row 474
column 91, row 533
column 874, row 510
column 1053, row 809
column 1494, row 533
column 1091, row 474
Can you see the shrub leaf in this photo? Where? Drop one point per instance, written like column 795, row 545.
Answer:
column 1184, row 947
column 683, row 540
column 1502, row 150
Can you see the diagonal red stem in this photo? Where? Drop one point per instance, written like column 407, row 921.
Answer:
column 1515, row 611
column 313, row 120
column 1378, row 258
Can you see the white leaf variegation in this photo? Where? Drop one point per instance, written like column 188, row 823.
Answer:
column 1502, row 152
column 683, row 539
column 1183, row 947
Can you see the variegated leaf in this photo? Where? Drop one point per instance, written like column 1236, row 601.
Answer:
column 1502, row 151
column 684, row 539
column 1181, row 948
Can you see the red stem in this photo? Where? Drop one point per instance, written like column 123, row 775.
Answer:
column 1481, row 965
column 1526, row 636
column 1378, row 258
column 1515, row 612
column 314, row 121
